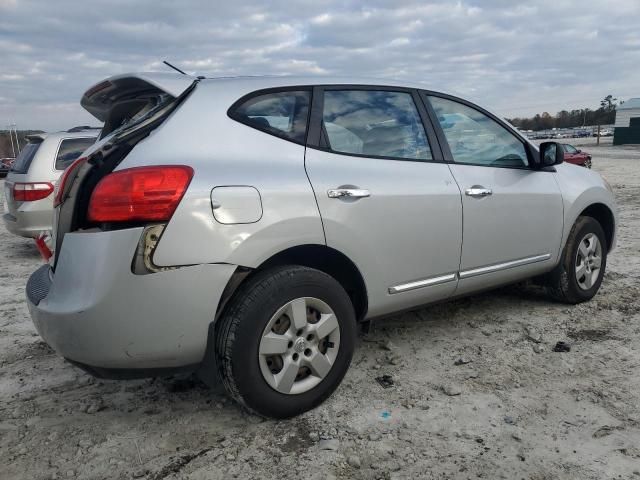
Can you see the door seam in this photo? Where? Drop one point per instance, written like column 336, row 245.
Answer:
column 315, row 197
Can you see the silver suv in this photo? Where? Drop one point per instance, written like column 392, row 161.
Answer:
column 28, row 189
column 243, row 227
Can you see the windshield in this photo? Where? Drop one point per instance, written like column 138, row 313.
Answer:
column 21, row 165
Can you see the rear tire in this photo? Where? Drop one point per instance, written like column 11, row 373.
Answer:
column 579, row 274
column 285, row 341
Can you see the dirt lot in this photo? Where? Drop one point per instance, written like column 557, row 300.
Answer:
column 478, row 393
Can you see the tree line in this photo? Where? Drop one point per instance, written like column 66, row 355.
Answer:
column 5, row 141
column 605, row 115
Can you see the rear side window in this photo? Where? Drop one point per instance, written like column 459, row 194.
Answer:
column 374, row 124
column 70, row 149
column 283, row 114
column 22, row 163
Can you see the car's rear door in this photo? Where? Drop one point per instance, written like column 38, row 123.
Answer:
column 513, row 214
column 386, row 198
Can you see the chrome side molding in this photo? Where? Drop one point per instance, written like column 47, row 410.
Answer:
column 431, row 281
column 427, row 282
column 503, row 266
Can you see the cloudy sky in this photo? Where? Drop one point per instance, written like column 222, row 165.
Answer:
column 517, row 58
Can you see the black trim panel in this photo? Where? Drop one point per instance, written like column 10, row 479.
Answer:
column 132, row 373
column 39, row 284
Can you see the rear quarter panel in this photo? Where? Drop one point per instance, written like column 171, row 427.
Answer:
column 224, row 152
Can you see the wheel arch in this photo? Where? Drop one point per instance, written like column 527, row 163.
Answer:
column 321, row 257
column 605, row 217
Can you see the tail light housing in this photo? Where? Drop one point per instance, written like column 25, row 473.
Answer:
column 30, row 192
column 62, row 187
column 140, row 194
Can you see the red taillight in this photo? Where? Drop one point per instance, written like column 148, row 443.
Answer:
column 61, row 186
column 139, row 194
column 30, row 192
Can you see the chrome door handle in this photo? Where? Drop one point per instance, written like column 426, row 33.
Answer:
column 348, row 192
column 478, row 192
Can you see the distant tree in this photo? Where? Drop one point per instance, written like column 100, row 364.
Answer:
column 608, row 103
column 563, row 119
column 6, row 149
column 607, row 110
column 604, row 115
column 547, row 121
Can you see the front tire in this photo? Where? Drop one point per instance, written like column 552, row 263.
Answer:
column 579, row 274
column 285, row 341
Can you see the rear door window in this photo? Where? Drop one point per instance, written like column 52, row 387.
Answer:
column 284, row 114
column 22, row 163
column 70, row 149
column 374, row 124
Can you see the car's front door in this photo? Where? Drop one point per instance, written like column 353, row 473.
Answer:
column 386, row 198
column 513, row 215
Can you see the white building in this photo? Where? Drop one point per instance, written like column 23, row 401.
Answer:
column 627, row 126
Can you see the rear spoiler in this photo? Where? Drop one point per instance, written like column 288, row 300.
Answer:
column 35, row 137
column 103, row 96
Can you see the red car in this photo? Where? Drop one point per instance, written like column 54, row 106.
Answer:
column 5, row 165
column 576, row 156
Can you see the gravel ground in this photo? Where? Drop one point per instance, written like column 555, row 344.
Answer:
column 478, row 391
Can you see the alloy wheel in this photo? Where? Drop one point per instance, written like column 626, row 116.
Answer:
column 299, row 345
column 588, row 261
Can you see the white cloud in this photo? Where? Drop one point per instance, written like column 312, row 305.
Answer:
column 399, row 42
column 517, row 58
column 322, row 19
column 11, row 77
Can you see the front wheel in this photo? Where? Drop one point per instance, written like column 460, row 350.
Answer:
column 579, row 274
column 286, row 341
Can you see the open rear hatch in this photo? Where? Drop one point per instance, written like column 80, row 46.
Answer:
column 118, row 99
column 131, row 106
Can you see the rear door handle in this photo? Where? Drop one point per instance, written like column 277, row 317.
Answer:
column 478, row 191
column 348, row 192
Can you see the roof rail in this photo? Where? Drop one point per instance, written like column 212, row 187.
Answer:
column 81, row 128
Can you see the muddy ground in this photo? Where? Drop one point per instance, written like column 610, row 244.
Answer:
column 478, row 392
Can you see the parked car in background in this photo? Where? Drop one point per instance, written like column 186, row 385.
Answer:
column 603, row 133
column 5, row 165
column 576, row 156
column 28, row 188
column 242, row 227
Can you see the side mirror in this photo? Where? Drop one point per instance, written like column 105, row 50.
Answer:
column 551, row 153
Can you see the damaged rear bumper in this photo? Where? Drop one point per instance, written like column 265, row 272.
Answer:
column 97, row 313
